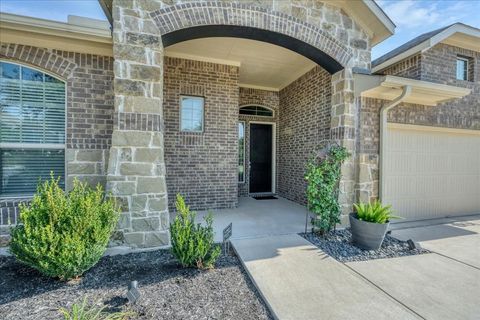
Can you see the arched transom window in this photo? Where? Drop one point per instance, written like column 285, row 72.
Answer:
column 255, row 110
column 32, row 128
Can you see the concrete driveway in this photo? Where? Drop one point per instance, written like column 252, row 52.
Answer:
column 444, row 284
column 456, row 239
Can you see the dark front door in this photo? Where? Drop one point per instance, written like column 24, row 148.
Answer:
column 260, row 157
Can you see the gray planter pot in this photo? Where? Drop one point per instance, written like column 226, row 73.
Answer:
column 367, row 235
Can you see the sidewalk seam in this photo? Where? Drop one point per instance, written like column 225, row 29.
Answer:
column 453, row 259
column 382, row 290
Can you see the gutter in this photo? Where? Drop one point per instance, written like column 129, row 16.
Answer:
column 406, row 91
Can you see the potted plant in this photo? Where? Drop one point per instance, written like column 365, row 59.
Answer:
column 369, row 224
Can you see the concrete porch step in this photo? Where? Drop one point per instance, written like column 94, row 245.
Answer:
column 299, row 281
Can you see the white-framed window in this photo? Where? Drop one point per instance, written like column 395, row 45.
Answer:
column 462, row 68
column 255, row 110
column 241, row 151
column 191, row 114
column 32, row 128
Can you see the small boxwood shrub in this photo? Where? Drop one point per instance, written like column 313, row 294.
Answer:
column 64, row 234
column 193, row 244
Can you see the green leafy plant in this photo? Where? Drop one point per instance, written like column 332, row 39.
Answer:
column 86, row 311
column 374, row 212
column 193, row 244
column 323, row 176
column 64, row 234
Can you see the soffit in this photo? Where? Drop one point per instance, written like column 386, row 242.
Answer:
column 463, row 40
column 369, row 15
column 80, row 34
column 390, row 87
column 262, row 65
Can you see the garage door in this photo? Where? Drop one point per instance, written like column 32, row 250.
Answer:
column 432, row 172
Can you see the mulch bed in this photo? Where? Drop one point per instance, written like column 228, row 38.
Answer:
column 338, row 245
column 168, row 291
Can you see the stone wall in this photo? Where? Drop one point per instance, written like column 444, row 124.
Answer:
column 89, row 116
column 269, row 99
column 305, row 119
column 202, row 166
column 136, row 168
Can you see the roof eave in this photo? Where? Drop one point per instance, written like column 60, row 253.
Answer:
column 423, row 92
column 106, row 6
column 444, row 36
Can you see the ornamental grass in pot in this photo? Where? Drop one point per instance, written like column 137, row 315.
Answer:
column 369, row 224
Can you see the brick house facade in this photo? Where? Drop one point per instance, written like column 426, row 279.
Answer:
column 123, row 123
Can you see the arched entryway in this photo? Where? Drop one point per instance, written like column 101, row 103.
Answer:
column 217, row 19
column 164, row 101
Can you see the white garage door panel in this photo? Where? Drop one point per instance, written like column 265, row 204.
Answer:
column 431, row 174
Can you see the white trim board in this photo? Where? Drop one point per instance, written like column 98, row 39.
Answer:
column 401, row 126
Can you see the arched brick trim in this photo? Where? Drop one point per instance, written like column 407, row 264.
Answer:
column 214, row 13
column 38, row 57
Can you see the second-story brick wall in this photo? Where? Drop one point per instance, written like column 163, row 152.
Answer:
column 438, row 65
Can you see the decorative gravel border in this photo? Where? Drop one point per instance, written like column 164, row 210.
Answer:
column 168, row 291
column 338, row 245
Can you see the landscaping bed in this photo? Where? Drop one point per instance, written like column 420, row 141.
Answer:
column 168, row 291
column 338, row 245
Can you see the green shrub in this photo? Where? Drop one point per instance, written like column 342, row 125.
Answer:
column 64, row 234
column 374, row 212
column 192, row 244
column 85, row 311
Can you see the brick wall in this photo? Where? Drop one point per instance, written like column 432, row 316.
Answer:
column 410, row 67
column 202, row 166
column 89, row 111
column 270, row 99
column 305, row 115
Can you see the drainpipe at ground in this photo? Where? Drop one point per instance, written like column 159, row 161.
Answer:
column 406, row 90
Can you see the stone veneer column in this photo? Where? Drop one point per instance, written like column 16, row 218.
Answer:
column 136, row 169
column 343, row 131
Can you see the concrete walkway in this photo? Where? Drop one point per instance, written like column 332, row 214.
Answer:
column 299, row 281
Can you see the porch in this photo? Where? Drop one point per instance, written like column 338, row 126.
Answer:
column 257, row 218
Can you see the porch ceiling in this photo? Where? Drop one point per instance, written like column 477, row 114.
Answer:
column 262, row 65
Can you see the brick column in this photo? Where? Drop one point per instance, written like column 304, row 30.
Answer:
column 136, row 168
column 343, row 131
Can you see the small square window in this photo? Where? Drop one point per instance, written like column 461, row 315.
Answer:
column 462, row 69
column 191, row 114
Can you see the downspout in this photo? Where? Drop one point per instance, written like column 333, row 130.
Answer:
column 406, row 90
